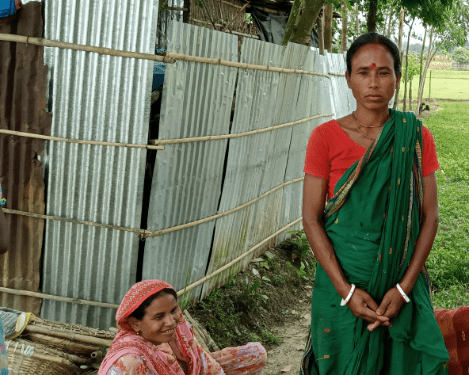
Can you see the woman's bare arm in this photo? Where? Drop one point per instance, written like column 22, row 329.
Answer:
column 392, row 301
column 314, row 196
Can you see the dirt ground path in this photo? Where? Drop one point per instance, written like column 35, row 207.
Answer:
column 285, row 358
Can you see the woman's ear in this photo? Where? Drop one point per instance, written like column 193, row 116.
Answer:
column 135, row 324
column 347, row 77
column 398, row 80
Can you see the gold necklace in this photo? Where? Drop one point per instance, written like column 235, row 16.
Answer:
column 365, row 126
column 367, row 136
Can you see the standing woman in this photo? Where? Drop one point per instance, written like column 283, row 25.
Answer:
column 375, row 169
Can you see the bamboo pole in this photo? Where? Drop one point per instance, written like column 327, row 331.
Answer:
column 113, row 306
column 70, row 336
column 217, row 216
column 57, row 298
column 81, row 47
column 228, row 265
column 80, row 141
column 143, row 233
column 166, row 57
column 237, row 135
column 235, row 64
column 90, row 223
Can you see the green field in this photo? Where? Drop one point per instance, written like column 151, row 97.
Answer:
column 441, row 84
column 448, row 263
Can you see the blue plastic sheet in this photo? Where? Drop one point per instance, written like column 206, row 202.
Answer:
column 7, row 8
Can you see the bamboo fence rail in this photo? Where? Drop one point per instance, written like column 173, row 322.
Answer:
column 89, row 223
column 57, row 298
column 166, row 57
column 114, row 306
column 236, row 135
column 217, row 216
column 228, row 265
column 80, row 141
column 143, row 233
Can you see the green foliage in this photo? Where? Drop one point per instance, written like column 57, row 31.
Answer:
column 448, row 263
column 413, row 66
column 297, row 243
column 461, row 55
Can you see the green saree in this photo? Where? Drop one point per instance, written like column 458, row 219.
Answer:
column 373, row 221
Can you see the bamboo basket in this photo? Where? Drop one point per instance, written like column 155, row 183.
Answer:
column 28, row 358
column 66, row 337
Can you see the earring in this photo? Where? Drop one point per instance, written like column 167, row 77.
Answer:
column 138, row 333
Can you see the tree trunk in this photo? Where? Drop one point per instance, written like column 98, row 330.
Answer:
column 424, row 73
column 302, row 32
column 388, row 29
column 292, row 21
column 372, row 16
column 410, row 95
column 399, row 45
column 320, row 23
column 401, row 29
column 357, row 21
column 344, row 26
column 421, row 54
column 328, row 27
column 407, row 63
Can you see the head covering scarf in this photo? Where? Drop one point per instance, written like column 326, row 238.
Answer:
column 127, row 342
column 373, row 222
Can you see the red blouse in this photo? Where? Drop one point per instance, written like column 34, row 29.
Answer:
column 331, row 152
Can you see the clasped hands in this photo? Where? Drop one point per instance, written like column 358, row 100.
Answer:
column 363, row 306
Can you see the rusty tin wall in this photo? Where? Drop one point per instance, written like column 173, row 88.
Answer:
column 187, row 181
column 23, row 108
column 102, row 98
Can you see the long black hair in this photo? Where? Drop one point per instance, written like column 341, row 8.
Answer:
column 139, row 312
column 370, row 38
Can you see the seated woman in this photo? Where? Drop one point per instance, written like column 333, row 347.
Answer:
column 154, row 338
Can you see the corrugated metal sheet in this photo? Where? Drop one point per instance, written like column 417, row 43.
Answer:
column 256, row 164
column 197, row 100
column 347, row 103
column 103, row 98
column 22, row 108
column 314, row 99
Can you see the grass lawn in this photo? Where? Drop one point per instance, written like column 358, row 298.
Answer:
column 448, row 263
column 444, row 84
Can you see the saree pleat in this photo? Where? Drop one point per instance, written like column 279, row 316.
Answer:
column 373, row 221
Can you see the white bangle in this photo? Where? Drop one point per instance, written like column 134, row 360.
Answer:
column 406, row 298
column 347, row 299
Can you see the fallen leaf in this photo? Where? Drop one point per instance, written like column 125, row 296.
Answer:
column 257, row 260
column 286, row 369
column 294, row 256
column 308, row 287
column 256, row 272
column 269, row 255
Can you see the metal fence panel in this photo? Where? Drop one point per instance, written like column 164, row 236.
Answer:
column 314, row 99
column 342, row 98
column 197, row 100
column 103, row 98
column 256, row 164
